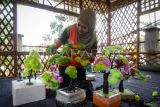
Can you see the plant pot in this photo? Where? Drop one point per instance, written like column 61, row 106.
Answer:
column 70, row 98
column 112, row 99
column 127, row 94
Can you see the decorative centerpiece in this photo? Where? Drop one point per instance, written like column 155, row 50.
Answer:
column 71, row 56
column 115, row 69
column 122, row 64
column 32, row 64
column 105, row 64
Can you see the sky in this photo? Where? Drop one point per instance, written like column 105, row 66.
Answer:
column 33, row 23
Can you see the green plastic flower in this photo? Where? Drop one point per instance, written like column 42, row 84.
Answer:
column 71, row 71
column 122, row 58
column 114, row 76
column 154, row 94
column 100, row 66
column 46, row 76
column 111, row 49
column 137, row 98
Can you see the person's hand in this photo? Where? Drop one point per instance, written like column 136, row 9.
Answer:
column 51, row 49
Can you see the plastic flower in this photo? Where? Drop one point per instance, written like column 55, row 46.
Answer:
column 52, row 68
column 57, row 77
column 51, row 80
column 71, row 71
column 132, row 72
column 111, row 49
column 106, row 61
column 123, row 59
column 115, row 76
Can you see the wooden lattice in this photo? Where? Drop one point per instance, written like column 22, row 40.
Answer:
column 6, row 39
column 6, row 25
column 124, row 28
column 147, row 5
column 150, row 59
column 6, row 65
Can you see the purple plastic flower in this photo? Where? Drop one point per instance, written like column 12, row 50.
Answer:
column 55, row 75
column 119, row 63
column 60, row 79
column 132, row 72
column 106, row 62
column 126, row 67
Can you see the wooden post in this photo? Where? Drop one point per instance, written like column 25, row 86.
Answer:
column 138, row 31
column 15, row 37
column 109, row 23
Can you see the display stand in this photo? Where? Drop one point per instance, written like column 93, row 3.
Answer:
column 23, row 93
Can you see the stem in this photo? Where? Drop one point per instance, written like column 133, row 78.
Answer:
column 121, row 88
column 113, row 60
column 29, row 77
column 35, row 76
column 71, row 87
column 105, row 83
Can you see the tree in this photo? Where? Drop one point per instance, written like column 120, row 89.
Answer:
column 60, row 23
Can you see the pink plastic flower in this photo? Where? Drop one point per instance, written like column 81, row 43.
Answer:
column 53, row 68
column 104, row 60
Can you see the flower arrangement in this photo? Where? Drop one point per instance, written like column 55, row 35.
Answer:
column 52, row 80
column 31, row 65
column 115, row 68
column 71, row 56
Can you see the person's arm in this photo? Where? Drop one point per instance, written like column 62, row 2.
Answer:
column 58, row 42
column 62, row 39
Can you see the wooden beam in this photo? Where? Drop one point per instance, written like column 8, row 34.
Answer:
column 150, row 11
column 138, row 32
column 42, row 6
column 15, row 36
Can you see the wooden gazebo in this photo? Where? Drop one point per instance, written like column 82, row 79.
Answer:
column 118, row 23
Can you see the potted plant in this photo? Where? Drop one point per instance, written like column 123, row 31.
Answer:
column 115, row 69
column 71, row 95
column 127, row 72
column 111, row 75
column 32, row 64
